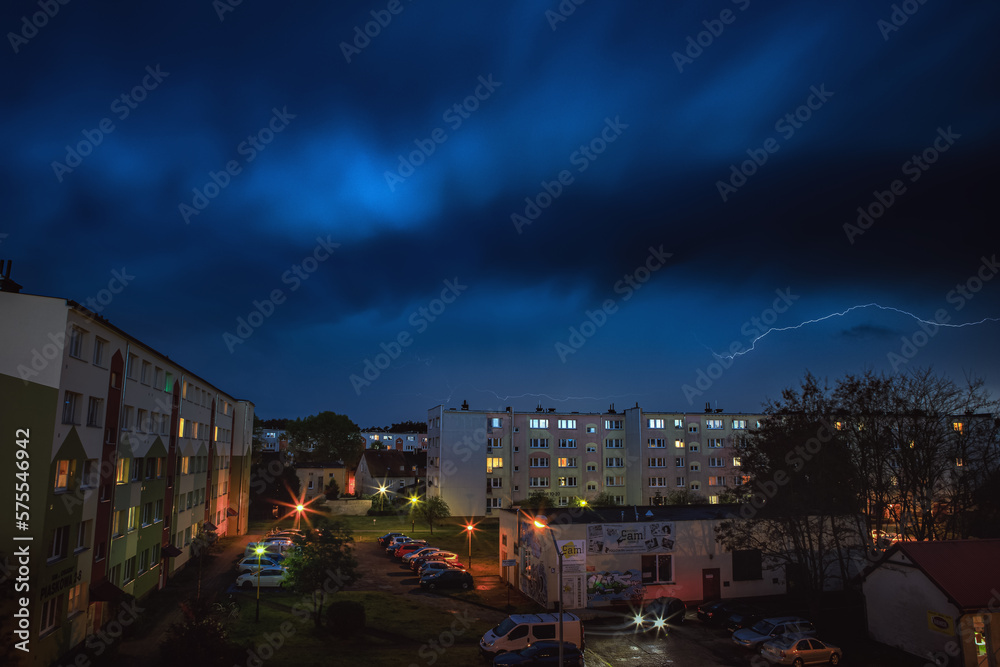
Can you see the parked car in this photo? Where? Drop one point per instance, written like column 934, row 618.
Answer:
column 283, row 539
column 440, row 555
column 393, row 543
column 423, row 551
column 447, row 579
column 712, row 612
column 769, row 628
column 543, row 653
column 657, row 613
column 252, row 563
column 384, row 540
column 522, row 630
column 270, row 548
column 436, row 565
column 269, row 578
column 798, row 650
column 740, row 615
column 408, row 547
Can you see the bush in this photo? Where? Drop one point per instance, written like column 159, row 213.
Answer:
column 345, row 618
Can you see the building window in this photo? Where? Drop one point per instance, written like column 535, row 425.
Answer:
column 95, row 412
column 158, row 511
column 567, row 443
column 565, row 462
column 566, row 423
column 657, row 569
column 657, row 442
column 133, row 517
column 618, row 480
column 62, row 476
column 658, row 463
column 695, row 486
column 958, row 426
column 493, row 463
column 693, row 447
column 614, row 443
column 717, row 481
column 592, row 486
column 678, row 423
column 713, row 423
column 567, row 481
column 91, row 474
column 135, row 472
column 494, row 443
column 494, row 482
column 147, row 372
column 50, row 613
column 591, row 429
column 538, row 482
column 679, row 462
column 614, row 462
column 591, row 467
column 83, row 534
column 129, row 572
column 692, row 428
column 538, row 443
column 70, row 404
column 679, row 444
column 538, row 462
column 695, row 466
column 736, row 462
column 76, row 342
column 60, row 542
column 739, row 424
column 99, row 345
column 680, row 481
column 716, row 462
column 496, row 422
column 655, row 423
column 591, row 448
column 141, row 420
column 538, row 423
column 144, row 561
column 121, row 472
column 657, row 481
column 493, row 503
column 619, row 500
column 715, row 443
column 613, row 424
column 127, row 417
column 130, row 370
column 147, row 514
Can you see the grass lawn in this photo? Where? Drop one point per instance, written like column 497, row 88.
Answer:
column 398, row 632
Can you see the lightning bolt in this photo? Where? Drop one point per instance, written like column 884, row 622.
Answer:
column 753, row 344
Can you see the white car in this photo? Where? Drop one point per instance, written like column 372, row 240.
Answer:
column 269, row 578
column 253, row 563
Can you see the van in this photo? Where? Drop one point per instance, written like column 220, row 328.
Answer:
column 522, row 630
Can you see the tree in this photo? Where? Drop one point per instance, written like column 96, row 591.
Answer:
column 326, row 436
column 332, row 490
column 199, row 638
column 603, row 499
column 684, row 497
column 409, row 427
column 432, row 509
column 323, row 565
column 272, row 482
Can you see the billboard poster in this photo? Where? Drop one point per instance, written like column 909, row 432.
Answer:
column 630, row 538
column 574, row 556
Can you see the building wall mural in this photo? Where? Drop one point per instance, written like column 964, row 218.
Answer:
column 614, row 585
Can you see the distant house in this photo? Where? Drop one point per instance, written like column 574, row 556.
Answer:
column 406, row 442
column 393, row 470
column 937, row 600
column 314, row 478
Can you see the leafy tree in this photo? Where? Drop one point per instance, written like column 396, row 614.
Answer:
column 324, row 564
column 603, row 499
column 409, row 427
column 272, row 482
column 326, row 436
column 433, row 509
column 199, row 638
column 332, row 490
column 684, row 497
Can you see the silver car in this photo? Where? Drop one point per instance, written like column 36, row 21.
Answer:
column 797, row 649
column 768, row 628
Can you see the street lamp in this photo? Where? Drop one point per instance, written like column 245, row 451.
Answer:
column 413, row 513
column 468, row 529
column 381, row 494
column 298, row 513
column 559, row 582
column 259, row 550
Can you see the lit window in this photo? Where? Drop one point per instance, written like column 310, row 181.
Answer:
column 655, row 423
column 958, row 426
column 567, row 462
column 713, row 423
column 739, row 424
column 567, row 481
column 613, row 424
column 678, row 444
column 538, row 423
column 492, row 463
column 121, row 473
column 62, row 475
column 496, row 422
column 657, row 442
column 566, row 423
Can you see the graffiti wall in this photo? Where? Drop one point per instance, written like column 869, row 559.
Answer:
column 613, row 586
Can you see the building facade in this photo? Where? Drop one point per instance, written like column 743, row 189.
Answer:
column 404, row 442
column 394, row 473
column 481, row 461
column 123, row 458
column 615, row 557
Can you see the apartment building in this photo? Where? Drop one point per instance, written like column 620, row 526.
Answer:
column 404, row 442
column 481, row 461
column 122, row 457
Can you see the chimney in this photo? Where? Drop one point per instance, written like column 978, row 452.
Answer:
column 6, row 284
column 465, row 405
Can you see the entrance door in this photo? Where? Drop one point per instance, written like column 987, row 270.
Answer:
column 710, row 585
column 572, row 595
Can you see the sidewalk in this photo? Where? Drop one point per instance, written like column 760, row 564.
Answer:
column 216, row 575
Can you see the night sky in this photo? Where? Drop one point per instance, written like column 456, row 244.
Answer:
column 511, row 203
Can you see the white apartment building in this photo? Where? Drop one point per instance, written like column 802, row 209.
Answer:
column 480, row 461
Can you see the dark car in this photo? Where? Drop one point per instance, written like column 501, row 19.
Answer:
column 664, row 610
column 447, row 579
column 713, row 612
column 742, row 616
column 435, row 565
column 542, row 653
column 415, row 563
column 384, row 540
column 408, row 547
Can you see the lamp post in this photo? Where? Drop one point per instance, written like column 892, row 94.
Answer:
column 559, row 583
column 260, row 552
column 468, row 529
column 381, row 495
column 413, row 513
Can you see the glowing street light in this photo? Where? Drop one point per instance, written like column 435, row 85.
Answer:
column 469, row 527
column 381, row 493
column 259, row 550
column 541, row 523
column 413, row 513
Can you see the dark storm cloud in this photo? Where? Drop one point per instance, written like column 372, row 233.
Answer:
column 845, row 103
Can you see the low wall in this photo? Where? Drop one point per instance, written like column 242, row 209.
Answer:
column 351, row 507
